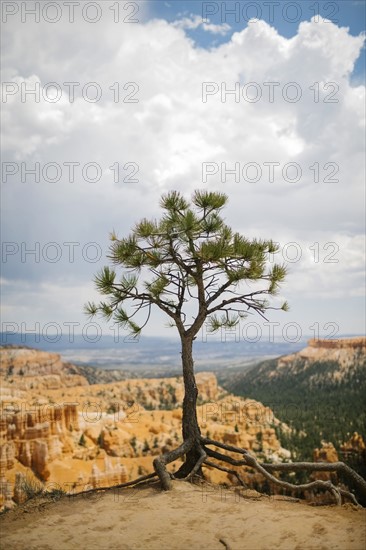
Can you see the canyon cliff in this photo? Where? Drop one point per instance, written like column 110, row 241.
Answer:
column 33, row 369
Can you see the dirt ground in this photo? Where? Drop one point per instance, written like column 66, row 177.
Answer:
column 190, row 517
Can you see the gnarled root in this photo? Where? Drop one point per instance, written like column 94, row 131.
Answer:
column 200, row 449
column 197, row 466
column 264, row 469
column 161, row 461
column 120, row 485
column 339, row 467
column 223, row 469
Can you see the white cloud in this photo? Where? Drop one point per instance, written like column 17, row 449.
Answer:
column 222, row 29
column 195, row 21
column 170, row 132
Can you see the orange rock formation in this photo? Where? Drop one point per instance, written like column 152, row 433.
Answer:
column 73, row 435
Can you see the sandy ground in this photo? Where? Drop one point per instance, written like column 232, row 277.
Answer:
column 190, row 517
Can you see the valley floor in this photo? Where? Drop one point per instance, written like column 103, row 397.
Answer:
column 188, row 517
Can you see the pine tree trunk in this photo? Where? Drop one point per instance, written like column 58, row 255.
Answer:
column 190, row 427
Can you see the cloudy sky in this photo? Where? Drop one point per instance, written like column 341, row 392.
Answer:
column 107, row 105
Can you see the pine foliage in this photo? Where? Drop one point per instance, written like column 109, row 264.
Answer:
column 188, row 254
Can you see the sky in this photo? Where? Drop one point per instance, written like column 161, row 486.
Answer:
column 107, row 105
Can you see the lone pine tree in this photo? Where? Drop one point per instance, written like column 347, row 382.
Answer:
column 190, row 260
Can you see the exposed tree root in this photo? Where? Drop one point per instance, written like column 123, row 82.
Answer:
column 197, row 466
column 248, row 460
column 223, row 469
column 265, row 469
column 350, row 496
column 126, row 484
column 161, row 461
column 227, row 546
column 340, row 467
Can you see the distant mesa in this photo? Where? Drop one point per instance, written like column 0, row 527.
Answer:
column 342, row 343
